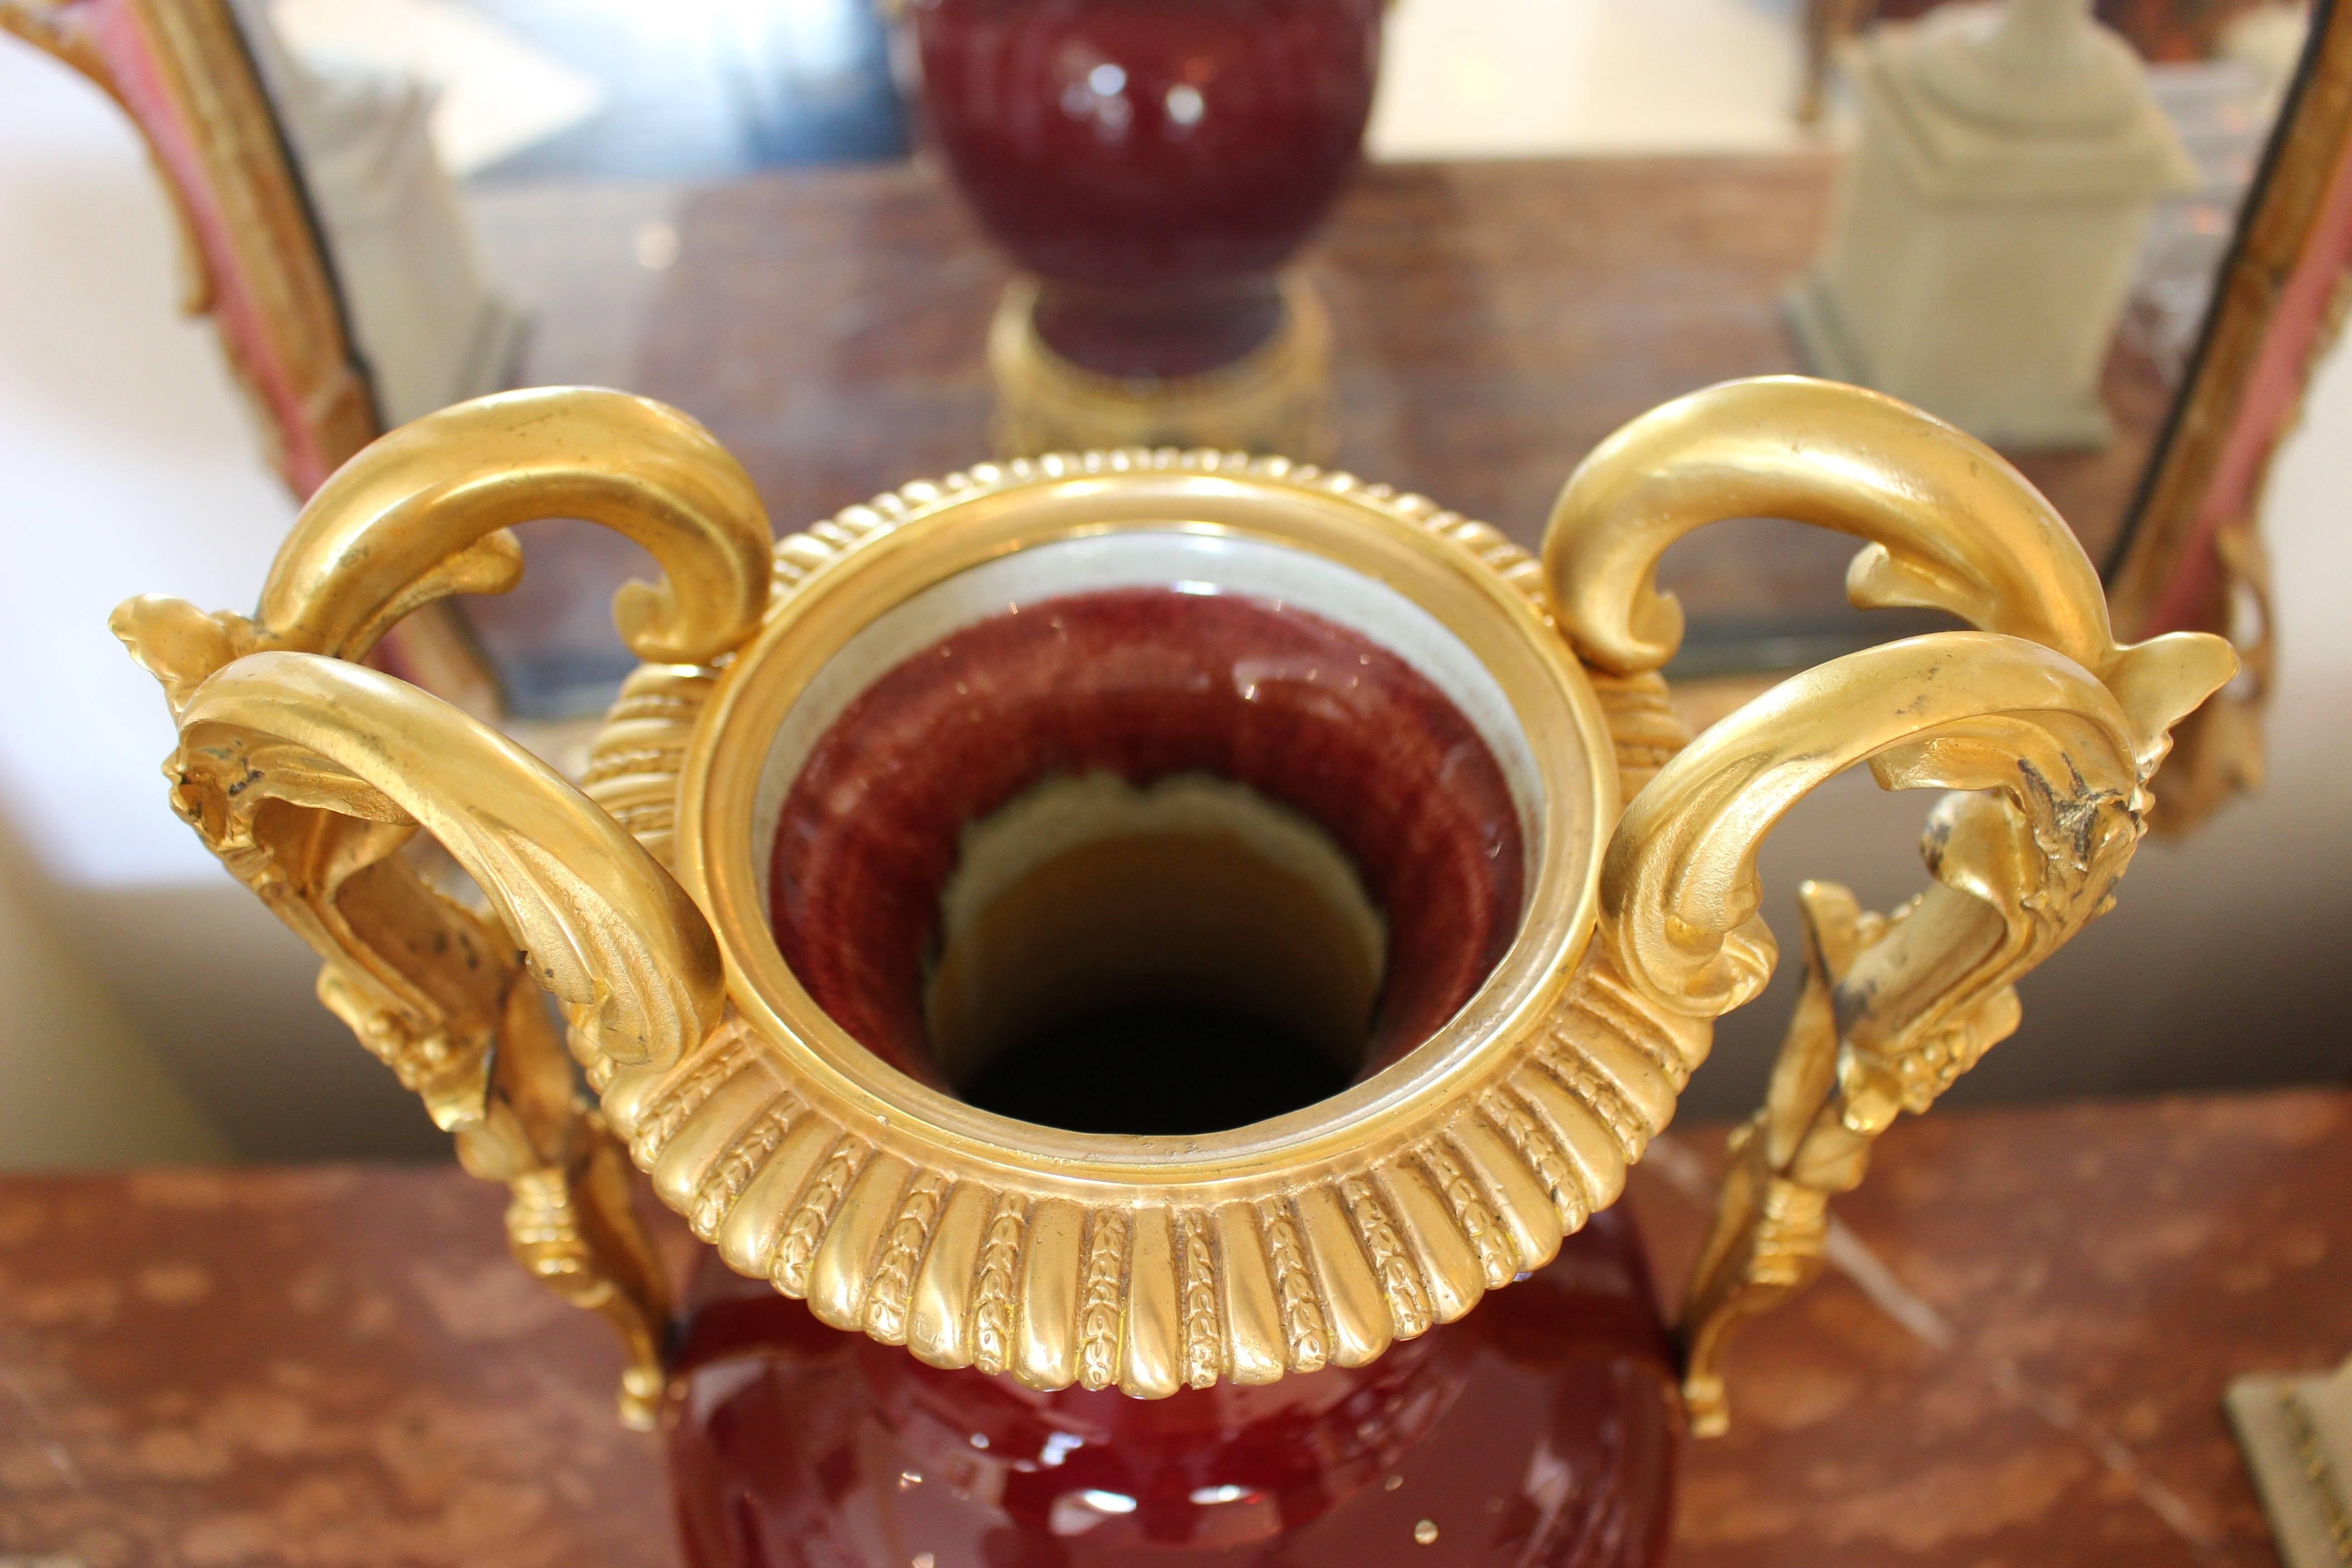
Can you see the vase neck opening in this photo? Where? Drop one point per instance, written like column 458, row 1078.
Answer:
column 1185, row 330
column 1155, row 838
column 1168, row 957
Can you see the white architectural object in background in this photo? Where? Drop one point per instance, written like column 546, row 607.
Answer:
column 1982, row 244
column 415, row 292
column 1518, row 79
column 85, row 1087
column 2296, row 1436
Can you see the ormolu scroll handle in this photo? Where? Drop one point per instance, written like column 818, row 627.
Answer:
column 1951, row 525
column 1679, row 894
column 424, row 499
column 307, row 775
column 2060, row 727
column 1897, row 1007
column 424, row 513
column 608, row 932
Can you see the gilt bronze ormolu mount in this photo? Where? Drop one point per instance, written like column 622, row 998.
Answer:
column 1160, row 692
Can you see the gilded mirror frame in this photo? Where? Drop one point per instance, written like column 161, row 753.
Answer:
column 2190, row 555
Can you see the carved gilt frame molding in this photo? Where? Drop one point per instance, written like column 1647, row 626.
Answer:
column 2190, row 556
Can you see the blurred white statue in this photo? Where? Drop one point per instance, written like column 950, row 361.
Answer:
column 1981, row 248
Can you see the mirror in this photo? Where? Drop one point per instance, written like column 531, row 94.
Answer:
column 869, row 243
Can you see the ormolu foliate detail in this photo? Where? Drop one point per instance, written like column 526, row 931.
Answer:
column 1644, row 724
column 1098, row 1299
column 1497, row 1260
column 1525, row 1139
column 992, row 1302
column 891, row 1294
column 1408, row 1302
column 1602, row 1098
column 805, row 1231
column 1203, row 1359
column 715, row 1196
column 1306, row 1338
column 633, row 766
column 668, row 1109
column 2056, row 727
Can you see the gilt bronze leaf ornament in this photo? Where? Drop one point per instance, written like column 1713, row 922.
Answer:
column 2056, row 727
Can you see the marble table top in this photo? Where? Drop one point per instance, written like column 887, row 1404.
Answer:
column 2020, row 1360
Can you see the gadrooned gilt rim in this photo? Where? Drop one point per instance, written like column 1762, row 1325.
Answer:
column 1060, row 1272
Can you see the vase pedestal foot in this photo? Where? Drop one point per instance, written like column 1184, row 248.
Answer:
column 1275, row 399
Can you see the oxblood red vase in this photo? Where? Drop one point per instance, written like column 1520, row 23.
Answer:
column 1143, row 967
column 1538, row 1432
column 1164, row 759
column 1153, row 165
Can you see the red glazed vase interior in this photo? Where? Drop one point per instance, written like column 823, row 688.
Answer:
column 1120, row 849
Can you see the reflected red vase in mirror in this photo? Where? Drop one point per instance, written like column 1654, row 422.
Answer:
column 1538, row 1432
column 1153, row 165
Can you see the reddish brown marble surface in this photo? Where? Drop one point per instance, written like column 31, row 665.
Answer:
column 340, row 1368
column 2103, row 1271
column 324, row 1367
